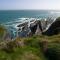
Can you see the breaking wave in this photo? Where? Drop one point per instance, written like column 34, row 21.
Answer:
column 13, row 24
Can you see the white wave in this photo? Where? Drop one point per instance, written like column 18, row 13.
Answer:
column 20, row 20
column 23, row 18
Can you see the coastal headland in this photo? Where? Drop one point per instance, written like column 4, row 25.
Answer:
column 35, row 40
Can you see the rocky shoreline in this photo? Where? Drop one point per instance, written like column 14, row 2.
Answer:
column 47, row 26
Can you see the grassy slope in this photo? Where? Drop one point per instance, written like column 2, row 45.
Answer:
column 29, row 48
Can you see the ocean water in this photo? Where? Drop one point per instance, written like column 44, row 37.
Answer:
column 11, row 18
column 7, row 16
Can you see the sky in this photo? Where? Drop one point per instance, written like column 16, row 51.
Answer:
column 29, row 4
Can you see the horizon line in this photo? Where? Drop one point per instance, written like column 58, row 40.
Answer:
column 29, row 9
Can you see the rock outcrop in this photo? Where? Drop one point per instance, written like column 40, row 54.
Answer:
column 54, row 28
column 36, row 28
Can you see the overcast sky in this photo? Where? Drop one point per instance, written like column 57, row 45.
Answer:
column 29, row 4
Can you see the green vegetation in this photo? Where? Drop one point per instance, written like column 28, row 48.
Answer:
column 31, row 48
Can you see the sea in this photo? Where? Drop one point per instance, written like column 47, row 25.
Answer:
column 10, row 18
column 7, row 16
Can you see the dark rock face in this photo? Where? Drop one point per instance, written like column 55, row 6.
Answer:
column 24, row 24
column 54, row 28
column 24, row 32
column 39, row 27
column 39, row 23
column 34, row 27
